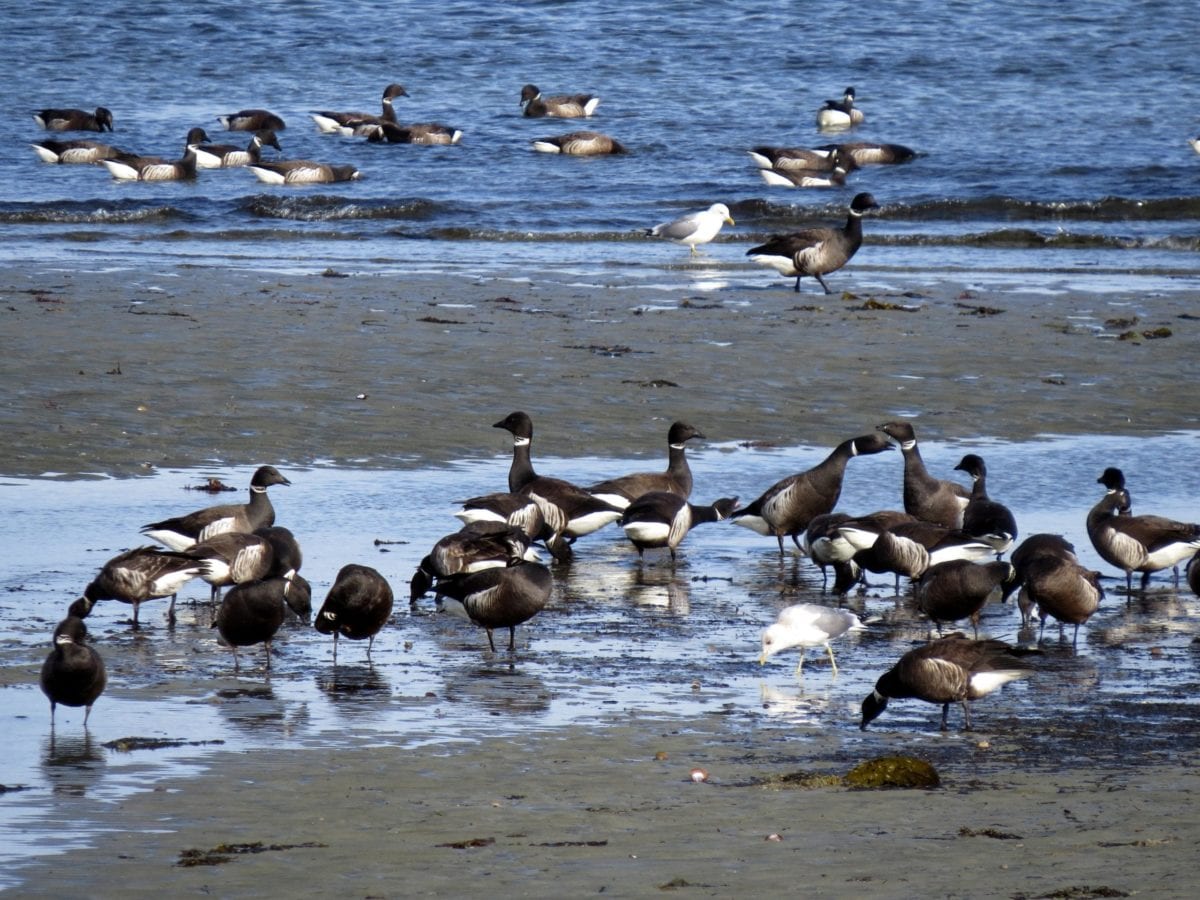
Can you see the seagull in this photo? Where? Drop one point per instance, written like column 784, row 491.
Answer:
column 807, row 625
column 696, row 228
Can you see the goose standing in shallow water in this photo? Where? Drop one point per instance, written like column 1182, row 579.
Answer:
column 138, row 575
column 181, row 532
column 74, row 119
column 569, row 511
column 1143, row 544
column 252, row 120
column 498, row 598
column 580, row 143
column 75, row 152
column 786, row 507
column 806, row 625
column 983, row 518
column 838, row 114
column 359, row 123
column 560, row 106
column 232, row 557
column 73, row 673
column 474, row 547
column 815, row 251
column 953, row 669
column 1030, row 549
column 929, row 499
column 1064, row 589
column 694, row 229
column 252, row 614
column 357, row 607
column 663, row 519
column 959, row 589
column 677, row 479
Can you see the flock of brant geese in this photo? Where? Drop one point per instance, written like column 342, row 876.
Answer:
column 814, row 252
column 948, row 540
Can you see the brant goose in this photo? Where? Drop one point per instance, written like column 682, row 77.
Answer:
column 232, row 557
column 298, row 596
column 359, row 123
column 804, row 178
column 73, row 673
column 68, row 152
column 252, row 120
column 251, row 614
column 787, row 507
column 1064, row 589
column 498, row 598
column 285, row 550
column 838, row 114
column 428, row 133
column 580, row 143
column 929, row 499
column 953, row 669
column 984, row 518
column 518, row 510
column 663, row 519
column 1137, row 543
column 696, row 228
column 138, row 575
column 152, row 168
column 302, row 171
column 74, row 119
column 181, row 532
column 801, row 159
column 561, row 106
column 1027, row 551
column 358, row 605
column 677, row 479
column 815, row 251
column 476, row 546
column 570, row 511
column 959, row 589
column 1193, row 574
column 806, row 625
column 228, row 156
column 863, row 153
column 909, row 548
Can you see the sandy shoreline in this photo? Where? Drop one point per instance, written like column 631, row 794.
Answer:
column 120, row 373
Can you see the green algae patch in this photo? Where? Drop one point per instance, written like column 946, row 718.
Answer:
column 892, row 772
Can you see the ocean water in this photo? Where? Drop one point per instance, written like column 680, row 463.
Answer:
column 1048, row 140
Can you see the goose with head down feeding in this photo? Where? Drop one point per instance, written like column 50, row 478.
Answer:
column 1064, row 589
column 815, row 251
column 138, row 575
column 74, row 119
column 252, row 120
column 75, row 152
column 476, row 546
column 251, row 614
column 959, row 589
column 537, row 105
column 303, row 171
column 786, row 507
column 580, row 143
column 677, row 479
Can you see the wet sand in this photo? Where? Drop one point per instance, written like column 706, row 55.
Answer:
column 117, row 374
column 121, row 372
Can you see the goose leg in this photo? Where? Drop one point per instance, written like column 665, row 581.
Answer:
column 491, row 643
column 823, row 284
column 512, row 630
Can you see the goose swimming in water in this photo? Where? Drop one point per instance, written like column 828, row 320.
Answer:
column 580, row 143
column 359, row 123
column 74, row 119
column 561, row 106
column 839, row 114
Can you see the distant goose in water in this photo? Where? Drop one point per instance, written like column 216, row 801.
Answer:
column 838, row 114
column 359, row 123
column 302, row 171
column 152, row 168
column 983, row 518
column 75, row 152
column 570, row 511
column 864, row 153
column 694, row 229
column 929, row 499
column 181, row 532
column 232, row 558
column 580, row 143
column 498, row 598
column 474, row 547
column 663, row 519
column 953, row 669
column 1064, row 589
column 428, row 133
column 252, row 120
column 786, row 507
column 677, row 479
column 959, row 589
column 357, row 607
column 801, row 159
column 73, row 673
column 815, row 251
column 228, row 156
column 251, row 614
column 1143, row 544
column 74, row 119
column 807, row 625
column 138, row 575
column 804, row 178
column 560, row 106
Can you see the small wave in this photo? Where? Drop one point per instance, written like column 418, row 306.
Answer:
column 327, row 208
column 87, row 213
